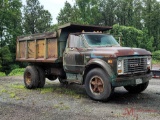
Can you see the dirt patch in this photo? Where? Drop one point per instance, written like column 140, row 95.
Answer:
column 70, row 102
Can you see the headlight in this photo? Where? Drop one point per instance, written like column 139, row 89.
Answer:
column 119, row 63
column 149, row 61
column 120, row 66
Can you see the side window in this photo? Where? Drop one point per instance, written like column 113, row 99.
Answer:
column 75, row 41
column 81, row 42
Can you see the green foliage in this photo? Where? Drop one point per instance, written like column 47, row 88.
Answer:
column 83, row 12
column 2, row 74
column 17, row 72
column 36, row 19
column 132, row 37
column 156, row 55
column 5, row 59
column 142, row 15
column 66, row 14
column 10, row 28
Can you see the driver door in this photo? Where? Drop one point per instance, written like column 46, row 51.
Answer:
column 73, row 57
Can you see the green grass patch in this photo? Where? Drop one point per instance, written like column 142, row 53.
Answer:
column 12, row 95
column 17, row 72
column 2, row 74
column 3, row 91
column 61, row 91
column 66, row 91
column 17, row 86
column 155, row 61
column 46, row 90
column 61, row 106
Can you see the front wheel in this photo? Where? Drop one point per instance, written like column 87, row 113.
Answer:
column 97, row 85
column 137, row 89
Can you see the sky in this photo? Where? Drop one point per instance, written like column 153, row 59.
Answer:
column 53, row 6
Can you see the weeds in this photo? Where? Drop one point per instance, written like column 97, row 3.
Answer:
column 12, row 95
column 61, row 106
column 2, row 74
column 17, row 72
column 18, row 86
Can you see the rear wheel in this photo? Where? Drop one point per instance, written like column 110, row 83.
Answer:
column 31, row 77
column 137, row 89
column 97, row 85
column 41, row 75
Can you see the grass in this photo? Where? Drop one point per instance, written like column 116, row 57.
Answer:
column 155, row 61
column 2, row 74
column 17, row 86
column 67, row 91
column 61, row 106
column 46, row 90
column 12, row 95
column 61, row 91
column 3, row 91
column 17, row 72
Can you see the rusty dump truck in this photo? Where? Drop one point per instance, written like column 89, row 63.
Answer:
column 86, row 55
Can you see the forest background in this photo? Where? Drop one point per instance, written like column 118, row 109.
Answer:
column 135, row 22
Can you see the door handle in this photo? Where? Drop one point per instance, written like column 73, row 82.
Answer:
column 72, row 49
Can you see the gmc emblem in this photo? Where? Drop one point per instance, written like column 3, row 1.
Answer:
column 134, row 65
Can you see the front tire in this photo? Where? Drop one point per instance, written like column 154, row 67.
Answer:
column 31, row 77
column 97, row 85
column 137, row 89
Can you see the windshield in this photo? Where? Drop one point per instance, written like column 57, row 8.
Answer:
column 101, row 40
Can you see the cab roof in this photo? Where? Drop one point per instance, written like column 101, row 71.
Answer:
column 86, row 28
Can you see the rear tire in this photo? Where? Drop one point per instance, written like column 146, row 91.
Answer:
column 97, row 85
column 41, row 75
column 31, row 77
column 137, row 89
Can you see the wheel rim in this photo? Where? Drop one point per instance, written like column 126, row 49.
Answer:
column 28, row 78
column 96, row 85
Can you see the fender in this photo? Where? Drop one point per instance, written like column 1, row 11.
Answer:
column 106, row 67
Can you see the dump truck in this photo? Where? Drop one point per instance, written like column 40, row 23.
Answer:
column 87, row 55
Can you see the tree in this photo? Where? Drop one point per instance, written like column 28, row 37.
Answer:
column 66, row 14
column 10, row 28
column 108, row 11
column 132, row 37
column 36, row 19
column 151, row 18
column 5, row 58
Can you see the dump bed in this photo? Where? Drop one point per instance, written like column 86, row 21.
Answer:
column 49, row 47
column 37, row 48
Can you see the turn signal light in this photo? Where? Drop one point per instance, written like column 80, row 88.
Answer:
column 110, row 61
column 119, row 71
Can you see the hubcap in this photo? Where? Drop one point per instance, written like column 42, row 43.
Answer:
column 28, row 78
column 96, row 85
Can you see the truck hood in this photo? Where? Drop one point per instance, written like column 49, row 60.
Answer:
column 120, row 51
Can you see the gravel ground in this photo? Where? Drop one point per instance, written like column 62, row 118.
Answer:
column 57, row 102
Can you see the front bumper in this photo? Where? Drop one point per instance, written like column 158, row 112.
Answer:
column 130, row 80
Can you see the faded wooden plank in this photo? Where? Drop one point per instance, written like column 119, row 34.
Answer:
column 52, row 48
column 31, row 49
column 38, row 36
column 22, row 49
column 40, row 49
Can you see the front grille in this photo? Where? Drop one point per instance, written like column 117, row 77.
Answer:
column 134, row 65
